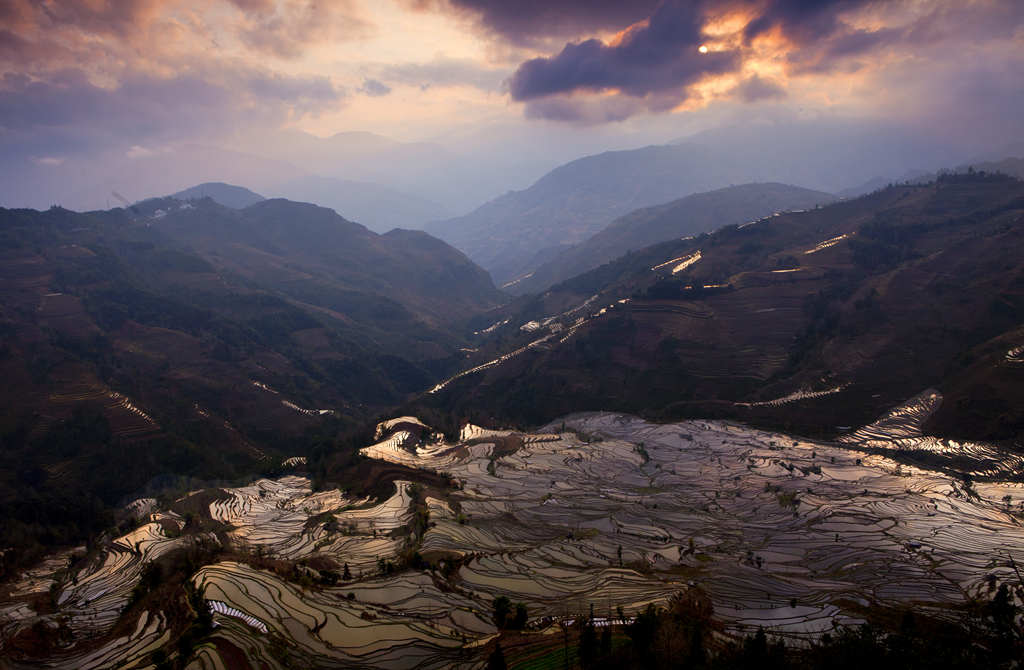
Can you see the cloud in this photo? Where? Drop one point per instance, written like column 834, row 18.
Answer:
column 374, row 88
column 68, row 112
column 584, row 111
column 656, row 62
column 287, row 27
column 78, row 75
column 649, row 60
column 49, row 161
column 114, row 34
column 801, row 21
column 756, row 88
column 445, row 72
column 528, row 21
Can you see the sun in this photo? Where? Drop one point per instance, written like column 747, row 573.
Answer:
column 703, row 48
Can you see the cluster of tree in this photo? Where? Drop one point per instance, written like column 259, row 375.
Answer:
column 509, row 615
column 682, row 635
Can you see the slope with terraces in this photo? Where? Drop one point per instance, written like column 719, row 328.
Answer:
column 808, row 321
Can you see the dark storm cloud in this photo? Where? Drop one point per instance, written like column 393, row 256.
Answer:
column 801, row 21
column 659, row 62
column 649, row 59
column 524, row 21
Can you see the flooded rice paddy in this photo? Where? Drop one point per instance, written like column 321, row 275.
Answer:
column 601, row 509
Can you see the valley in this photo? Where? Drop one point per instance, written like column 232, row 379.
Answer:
column 492, row 335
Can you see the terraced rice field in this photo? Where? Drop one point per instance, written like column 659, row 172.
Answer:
column 782, row 532
column 604, row 509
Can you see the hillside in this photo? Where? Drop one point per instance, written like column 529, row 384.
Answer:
column 189, row 339
column 808, row 321
column 229, row 195
column 692, row 215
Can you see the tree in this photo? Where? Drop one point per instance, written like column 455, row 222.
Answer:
column 588, row 643
column 496, row 661
column 502, row 607
column 346, row 573
column 519, row 620
column 642, row 632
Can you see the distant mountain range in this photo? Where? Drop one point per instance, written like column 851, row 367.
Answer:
column 91, row 185
column 692, row 215
column 514, row 234
column 807, row 321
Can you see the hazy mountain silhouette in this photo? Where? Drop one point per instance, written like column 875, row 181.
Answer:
column 377, row 207
column 236, row 197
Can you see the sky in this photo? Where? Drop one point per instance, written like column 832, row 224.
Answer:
column 539, row 80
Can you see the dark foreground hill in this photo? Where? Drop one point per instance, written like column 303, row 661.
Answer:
column 692, row 215
column 810, row 321
column 191, row 339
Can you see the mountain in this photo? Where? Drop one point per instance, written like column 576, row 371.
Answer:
column 576, row 200
column 188, row 387
column 692, row 215
column 377, row 207
column 571, row 203
column 807, row 321
column 235, row 197
column 188, row 339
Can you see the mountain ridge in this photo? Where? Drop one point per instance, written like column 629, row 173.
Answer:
column 691, row 215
